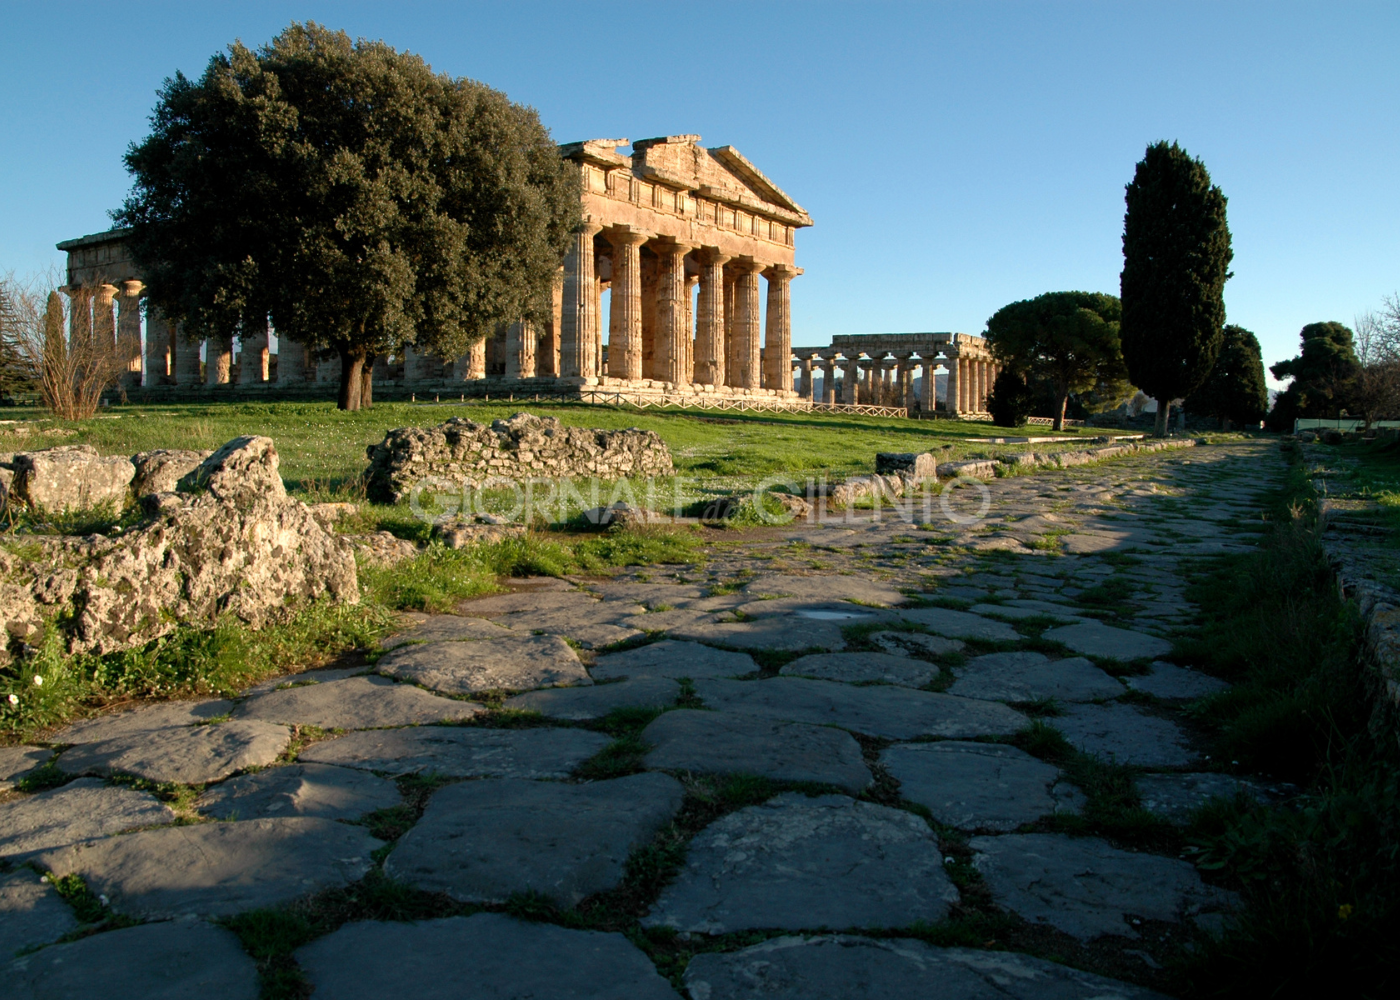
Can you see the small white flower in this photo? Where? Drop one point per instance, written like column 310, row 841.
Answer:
column 38, row 681
column 14, row 699
column 103, row 900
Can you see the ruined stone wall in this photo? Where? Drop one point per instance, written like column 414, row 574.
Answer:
column 526, row 446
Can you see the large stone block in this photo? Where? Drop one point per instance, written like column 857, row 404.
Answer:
column 161, row 470
column 72, row 477
column 907, row 465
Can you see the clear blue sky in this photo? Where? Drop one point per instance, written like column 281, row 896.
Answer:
column 955, row 157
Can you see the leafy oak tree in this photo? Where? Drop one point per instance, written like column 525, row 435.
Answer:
column 1234, row 390
column 1176, row 260
column 1067, row 339
column 361, row 200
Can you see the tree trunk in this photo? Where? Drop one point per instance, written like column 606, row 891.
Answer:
column 351, row 369
column 1164, row 415
column 1060, row 411
column 367, row 384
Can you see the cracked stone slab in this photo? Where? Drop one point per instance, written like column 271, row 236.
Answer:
column 596, row 623
column 1087, row 888
column 915, row 644
column 858, row 668
column 446, row 628
column 1017, row 613
column 784, row 633
column 670, row 658
column 825, row 588
column 16, row 762
column 459, row 752
column 664, row 621
column 598, row 700
column 482, row 841
column 532, row 599
column 161, row 961
column 1027, row 676
column 1175, row 797
column 515, row 663
column 188, row 755
column 961, row 624
column 806, row 863
column 719, row 742
column 839, row 612
column 318, row 790
column 1124, row 734
column 120, row 725
column 355, row 703
column 979, row 786
column 1098, row 639
column 217, row 869
column 31, row 912
column 650, row 594
column 840, row 967
column 499, row 957
column 284, row 682
column 1168, row 681
column 80, row 810
column 895, row 713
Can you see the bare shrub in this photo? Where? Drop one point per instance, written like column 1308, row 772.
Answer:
column 1373, row 389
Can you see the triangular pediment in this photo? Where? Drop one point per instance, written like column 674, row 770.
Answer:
column 721, row 173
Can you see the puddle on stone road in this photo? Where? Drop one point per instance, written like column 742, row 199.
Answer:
column 833, row 615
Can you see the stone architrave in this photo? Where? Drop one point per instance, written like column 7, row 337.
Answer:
column 253, row 361
column 291, row 362
column 579, row 319
column 625, row 315
column 521, row 340
column 711, row 350
column 746, row 324
column 778, row 332
column 669, row 363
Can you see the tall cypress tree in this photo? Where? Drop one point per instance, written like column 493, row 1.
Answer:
column 1176, row 260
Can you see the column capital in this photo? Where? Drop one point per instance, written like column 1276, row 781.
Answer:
column 589, row 228
column 781, row 272
column 626, row 236
column 131, row 289
column 670, row 249
column 712, row 256
column 747, row 265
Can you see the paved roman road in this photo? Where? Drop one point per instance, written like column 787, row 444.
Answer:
column 876, row 671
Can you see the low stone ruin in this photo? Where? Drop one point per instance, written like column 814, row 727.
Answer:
column 227, row 540
column 526, row 446
column 76, row 477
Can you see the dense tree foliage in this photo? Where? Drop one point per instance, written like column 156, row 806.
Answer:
column 1176, row 260
column 1011, row 400
column 1235, row 389
column 362, row 200
column 1069, row 340
column 1320, row 373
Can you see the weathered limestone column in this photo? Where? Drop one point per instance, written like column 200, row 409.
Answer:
column 520, row 350
column 905, row 369
column 928, row 394
column 599, row 366
column 672, row 307
column 951, row 399
column 104, row 326
column 253, row 366
column 731, row 338
column 413, row 365
column 688, row 337
column 129, row 329
column 218, row 360
column 710, row 347
column 828, row 380
column 746, row 320
column 778, row 333
column 647, row 269
column 186, row 366
column 982, row 387
column 79, row 313
column 625, row 315
column 803, row 382
column 291, row 362
column 812, row 390
column 578, row 328
column 850, row 384
column 547, row 357
column 472, row 365
column 160, row 348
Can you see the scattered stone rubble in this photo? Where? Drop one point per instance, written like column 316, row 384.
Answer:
column 465, row 453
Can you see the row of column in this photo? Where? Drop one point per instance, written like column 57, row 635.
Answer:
column 890, row 382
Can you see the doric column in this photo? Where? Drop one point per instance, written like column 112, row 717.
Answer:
column 688, row 337
column 291, row 361
column 746, row 320
column 104, row 327
column 803, row 383
column 731, row 338
column 982, row 387
column 647, row 270
column 328, row 371
column 598, row 353
column 778, row 335
column 828, row 380
column 578, row 328
column 928, row 392
column 951, row 399
column 710, row 345
column 252, row 365
column 218, row 360
column 850, row 383
column 812, row 365
column 159, row 348
column 79, row 313
column 625, row 315
column 969, row 394
column 186, row 365
column 129, row 329
column 547, row 357
column 413, row 360
column 672, row 307
column 472, row 365
column 520, row 349
column 905, row 395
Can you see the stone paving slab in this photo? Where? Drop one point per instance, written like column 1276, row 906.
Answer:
column 189, row 755
column 1124, row 734
column 840, row 967
column 459, row 752
column 217, row 869
column 857, row 668
column 663, row 621
column 1087, row 888
column 785, row 633
column 174, row 960
column 720, row 742
column 1174, row 797
column 961, row 624
column 598, row 700
column 895, row 713
column 284, row 682
column 1027, row 676
column 838, row 612
column 318, row 790
column 650, row 594
column 515, row 663
column 915, row 644
column 487, row 956
column 670, row 658
column 446, row 628
column 16, row 762
column 1170, row 682
column 31, row 913
column 79, row 810
column 532, row 599
column 119, row 725
column 1098, row 639
column 806, row 863
column 1018, row 613
column 482, row 841
column 825, row 588
column 355, row 703
column 979, row 786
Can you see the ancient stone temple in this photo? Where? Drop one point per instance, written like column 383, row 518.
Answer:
column 900, row 370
